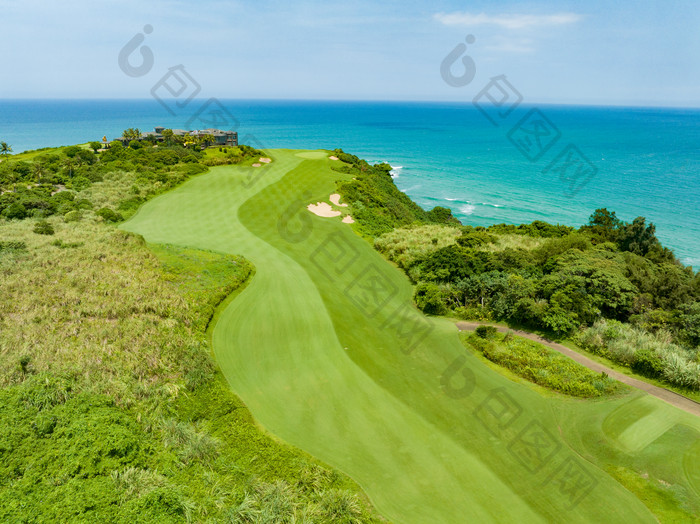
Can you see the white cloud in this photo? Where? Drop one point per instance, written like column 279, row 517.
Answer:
column 512, row 21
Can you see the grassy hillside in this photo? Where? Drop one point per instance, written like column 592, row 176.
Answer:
column 111, row 407
column 376, row 202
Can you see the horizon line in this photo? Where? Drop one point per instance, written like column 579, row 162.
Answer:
column 654, row 105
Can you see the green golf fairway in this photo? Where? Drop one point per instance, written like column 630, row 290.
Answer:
column 329, row 355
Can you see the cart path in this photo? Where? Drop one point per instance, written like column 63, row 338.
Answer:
column 679, row 401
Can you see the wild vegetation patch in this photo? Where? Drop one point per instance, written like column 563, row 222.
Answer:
column 540, row 365
column 111, row 407
column 652, row 354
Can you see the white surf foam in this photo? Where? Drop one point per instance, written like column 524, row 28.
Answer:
column 467, row 209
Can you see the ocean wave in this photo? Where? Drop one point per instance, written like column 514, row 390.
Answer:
column 470, row 203
column 467, row 209
column 687, row 261
column 395, row 171
column 411, row 189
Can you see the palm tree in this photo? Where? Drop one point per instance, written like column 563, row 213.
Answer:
column 167, row 136
column 131, row 134
column 190, row 140
column 208, row 140
column 38, row 169
column 68, row 163
column 5, row 149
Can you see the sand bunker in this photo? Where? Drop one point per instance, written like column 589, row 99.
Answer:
column 333, row 157
column 347, row 219
column 323, row 209
column 335, row 198
column 257, row 165
column 265, row 160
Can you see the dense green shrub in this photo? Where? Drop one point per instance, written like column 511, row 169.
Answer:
column 429, row 298
column 537, row 228
column 486, row 331
column 71, row 151
column 86, row 156
column 79, row 183
column 648, row 363
column 441, row 215
column 473, row 239
column 563, row 282
column 42, row 227
column 72, row 216
column 15, row 210
column 473, row 313
column 453, row 263
column 109, row 215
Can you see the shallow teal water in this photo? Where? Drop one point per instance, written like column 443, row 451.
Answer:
column 647, row 160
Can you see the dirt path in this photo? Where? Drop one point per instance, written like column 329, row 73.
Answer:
column 672, row 398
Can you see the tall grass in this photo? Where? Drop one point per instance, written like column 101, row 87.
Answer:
column 278, row 503
column 514, row 242
column 406, row 245
column 111, row 408
column 652, row 353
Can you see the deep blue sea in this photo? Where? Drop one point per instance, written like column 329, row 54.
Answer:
column 552, row 163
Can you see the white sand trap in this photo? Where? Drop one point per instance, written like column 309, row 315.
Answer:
column 335, row 198
column 265, row 160
column 333, row 157
column 323, row 209
column 257, row 165
column 347, row 219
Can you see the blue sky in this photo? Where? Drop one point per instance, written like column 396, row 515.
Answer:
column 592, row 52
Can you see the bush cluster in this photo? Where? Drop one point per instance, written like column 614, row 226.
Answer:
column 57, row 181
column 541, row 365
column 557, row 282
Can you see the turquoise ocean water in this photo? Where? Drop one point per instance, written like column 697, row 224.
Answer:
column 638, row 161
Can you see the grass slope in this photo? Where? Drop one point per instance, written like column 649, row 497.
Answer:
column 319, row 346
column 111, row 409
